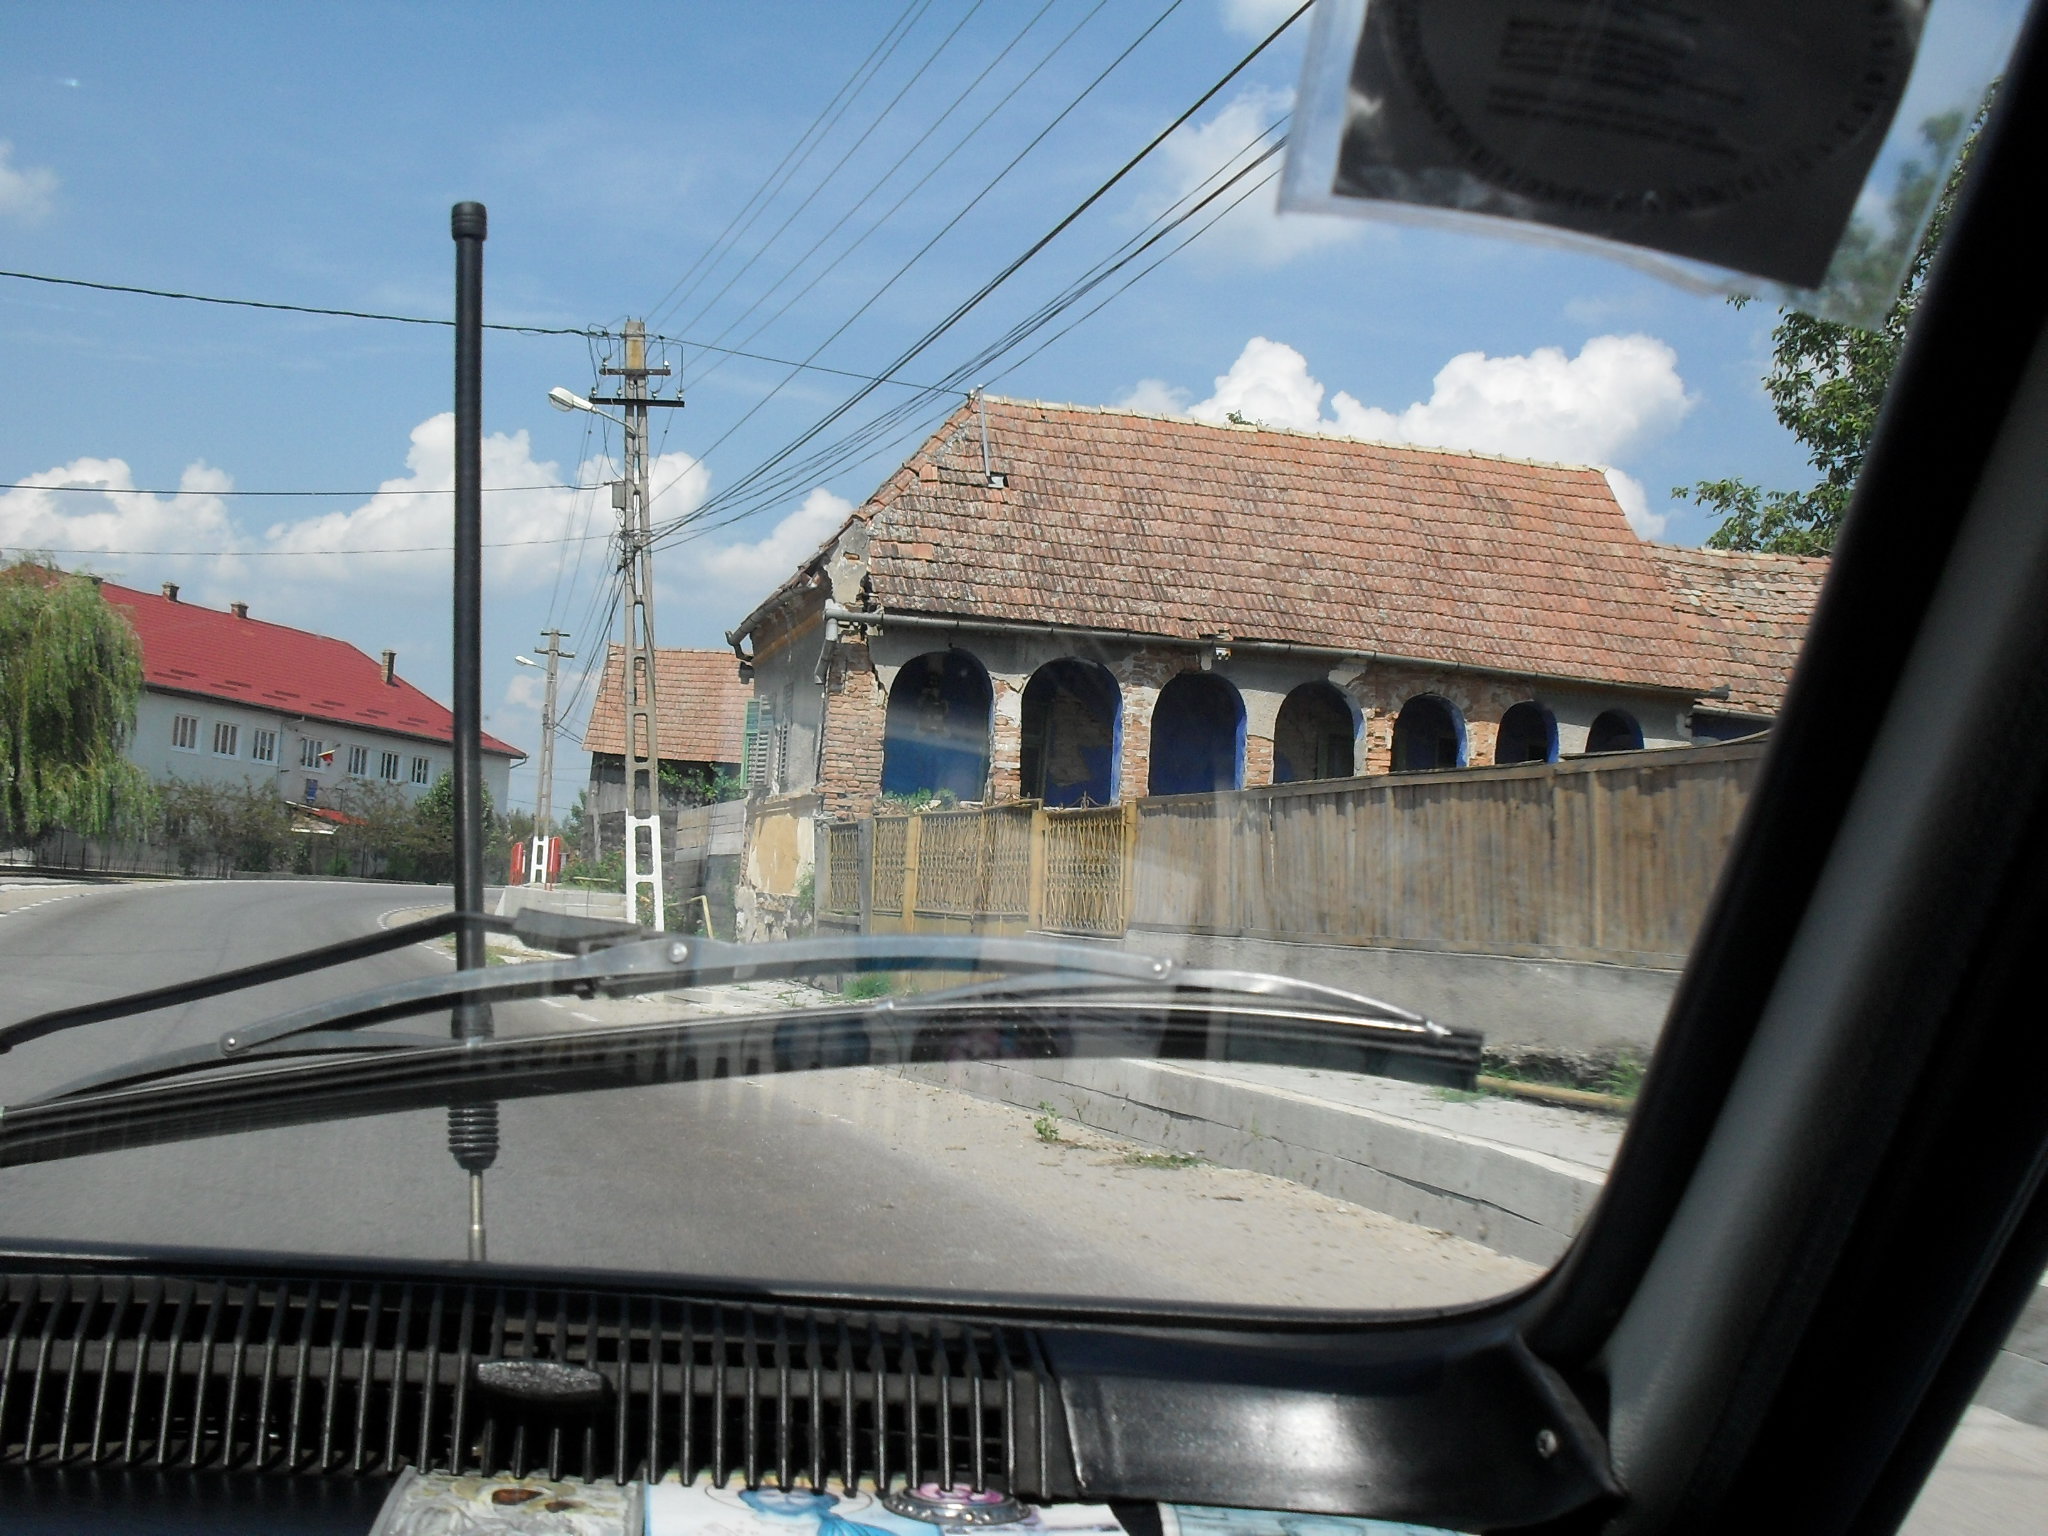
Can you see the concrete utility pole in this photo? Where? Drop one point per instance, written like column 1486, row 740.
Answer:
column 544, row 793
column 643, row 755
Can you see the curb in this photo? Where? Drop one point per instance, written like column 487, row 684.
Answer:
column 1523, row 1204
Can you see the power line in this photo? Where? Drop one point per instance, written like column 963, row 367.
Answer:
column 854, row 84
column 302, row 554
column 754, row 478
column 919, row 255
column 132, row 490
column 587, row 332
column 851, row 150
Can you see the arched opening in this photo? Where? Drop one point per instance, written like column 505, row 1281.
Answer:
column 1197, row 737
column 1068, row 752
column 1428, row 734
column 1315, row 736
column 935, row 736
column 1528, row 734
column 1615, row 731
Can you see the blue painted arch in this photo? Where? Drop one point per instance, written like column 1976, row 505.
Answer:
column 935, row 736
column 1197, row 737
column 1072, row 734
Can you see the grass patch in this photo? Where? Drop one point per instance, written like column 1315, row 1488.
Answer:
column 1162, row 1160
column 1457, row 1095
column 1047, row 1125
column 869, row 984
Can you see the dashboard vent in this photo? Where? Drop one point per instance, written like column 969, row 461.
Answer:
column 362, row 1377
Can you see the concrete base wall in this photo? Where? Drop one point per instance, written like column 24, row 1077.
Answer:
column 1554, row 1006
column 1515, row 1201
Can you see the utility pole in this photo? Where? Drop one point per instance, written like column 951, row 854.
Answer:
column 643, row 755
column 544, row 793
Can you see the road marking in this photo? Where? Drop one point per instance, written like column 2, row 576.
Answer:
column 554, row 1002
column 588, row 1018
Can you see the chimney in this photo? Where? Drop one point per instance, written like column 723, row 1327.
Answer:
column 171, row 590
column 239, row 610
column 390, row 666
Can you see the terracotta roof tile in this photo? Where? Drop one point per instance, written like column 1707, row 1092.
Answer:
column 1746, row 612
column 1155, row 525
column 187, row 648
column 701, row 701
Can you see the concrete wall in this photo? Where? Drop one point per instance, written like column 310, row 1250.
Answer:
column 1564, row 1007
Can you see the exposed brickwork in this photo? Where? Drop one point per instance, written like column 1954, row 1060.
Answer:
column 1258, row 759
column 1380, row 692
column 1007, row 744
column 856, row 714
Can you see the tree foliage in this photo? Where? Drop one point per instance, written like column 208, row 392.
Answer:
column 70, row 675
column 1827, row 380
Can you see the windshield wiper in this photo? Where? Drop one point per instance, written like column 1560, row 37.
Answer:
column 1070, row 1001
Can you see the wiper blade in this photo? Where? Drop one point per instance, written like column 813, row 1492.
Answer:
column 1052, row 970
column 621, row 968
column 546, row 930
column 1163, row 1022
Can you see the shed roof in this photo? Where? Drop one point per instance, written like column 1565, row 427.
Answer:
column 1747, row 614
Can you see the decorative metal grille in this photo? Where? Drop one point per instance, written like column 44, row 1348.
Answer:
column 1085, row 869
column 891, row 835
column 842, row 869
column 949, row 863
column 1006, row 885
column 363, row 1377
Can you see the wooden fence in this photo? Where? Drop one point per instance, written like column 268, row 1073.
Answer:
column 1610, row 858
column 1008, row 868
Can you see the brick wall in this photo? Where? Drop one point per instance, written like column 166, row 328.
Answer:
column 856, row 715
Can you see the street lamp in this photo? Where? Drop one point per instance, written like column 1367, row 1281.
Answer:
column 568, row 400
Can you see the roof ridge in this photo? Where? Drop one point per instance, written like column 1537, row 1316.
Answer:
column 1323, row 437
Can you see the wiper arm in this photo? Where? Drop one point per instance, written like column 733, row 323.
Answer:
column 1184, row 1016
column 544, row 929
column 620, row 969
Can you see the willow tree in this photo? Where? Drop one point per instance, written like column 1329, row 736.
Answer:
column 70, row 673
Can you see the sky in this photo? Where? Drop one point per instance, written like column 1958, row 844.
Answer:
column 820, row 183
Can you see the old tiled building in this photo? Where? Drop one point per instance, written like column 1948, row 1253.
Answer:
column 700, row 705
column 1082, row 605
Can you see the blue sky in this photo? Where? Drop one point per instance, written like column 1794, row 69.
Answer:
column 310, row 155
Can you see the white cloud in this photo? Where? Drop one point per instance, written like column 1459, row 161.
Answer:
column 27, row 193
column 1256, row 18
column 398, row 539
column 755, row 568
column 1587, row 409
column 1617, row 393
column 1203, row 154
column 1270, row 384
column 1155, row 397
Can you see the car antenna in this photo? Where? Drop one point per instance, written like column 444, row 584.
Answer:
column 473, row 1127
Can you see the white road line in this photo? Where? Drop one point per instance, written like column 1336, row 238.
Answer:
column 588, row 1018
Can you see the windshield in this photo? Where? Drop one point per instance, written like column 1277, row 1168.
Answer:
column 970, row 509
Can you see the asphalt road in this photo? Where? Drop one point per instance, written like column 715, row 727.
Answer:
column 854, row 1178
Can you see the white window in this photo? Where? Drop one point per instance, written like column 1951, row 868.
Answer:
column 421, row 767
column 358, row 761
column 387, row 766
column 227, row 738
column 312, row 756
column 185, row 732
column 263, row 746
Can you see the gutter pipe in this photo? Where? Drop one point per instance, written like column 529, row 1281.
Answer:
column 878, row 619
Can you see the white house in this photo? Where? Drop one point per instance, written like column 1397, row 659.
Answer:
column 226, row 696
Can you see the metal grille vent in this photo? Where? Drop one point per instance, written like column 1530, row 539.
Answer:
column 363, row 1377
